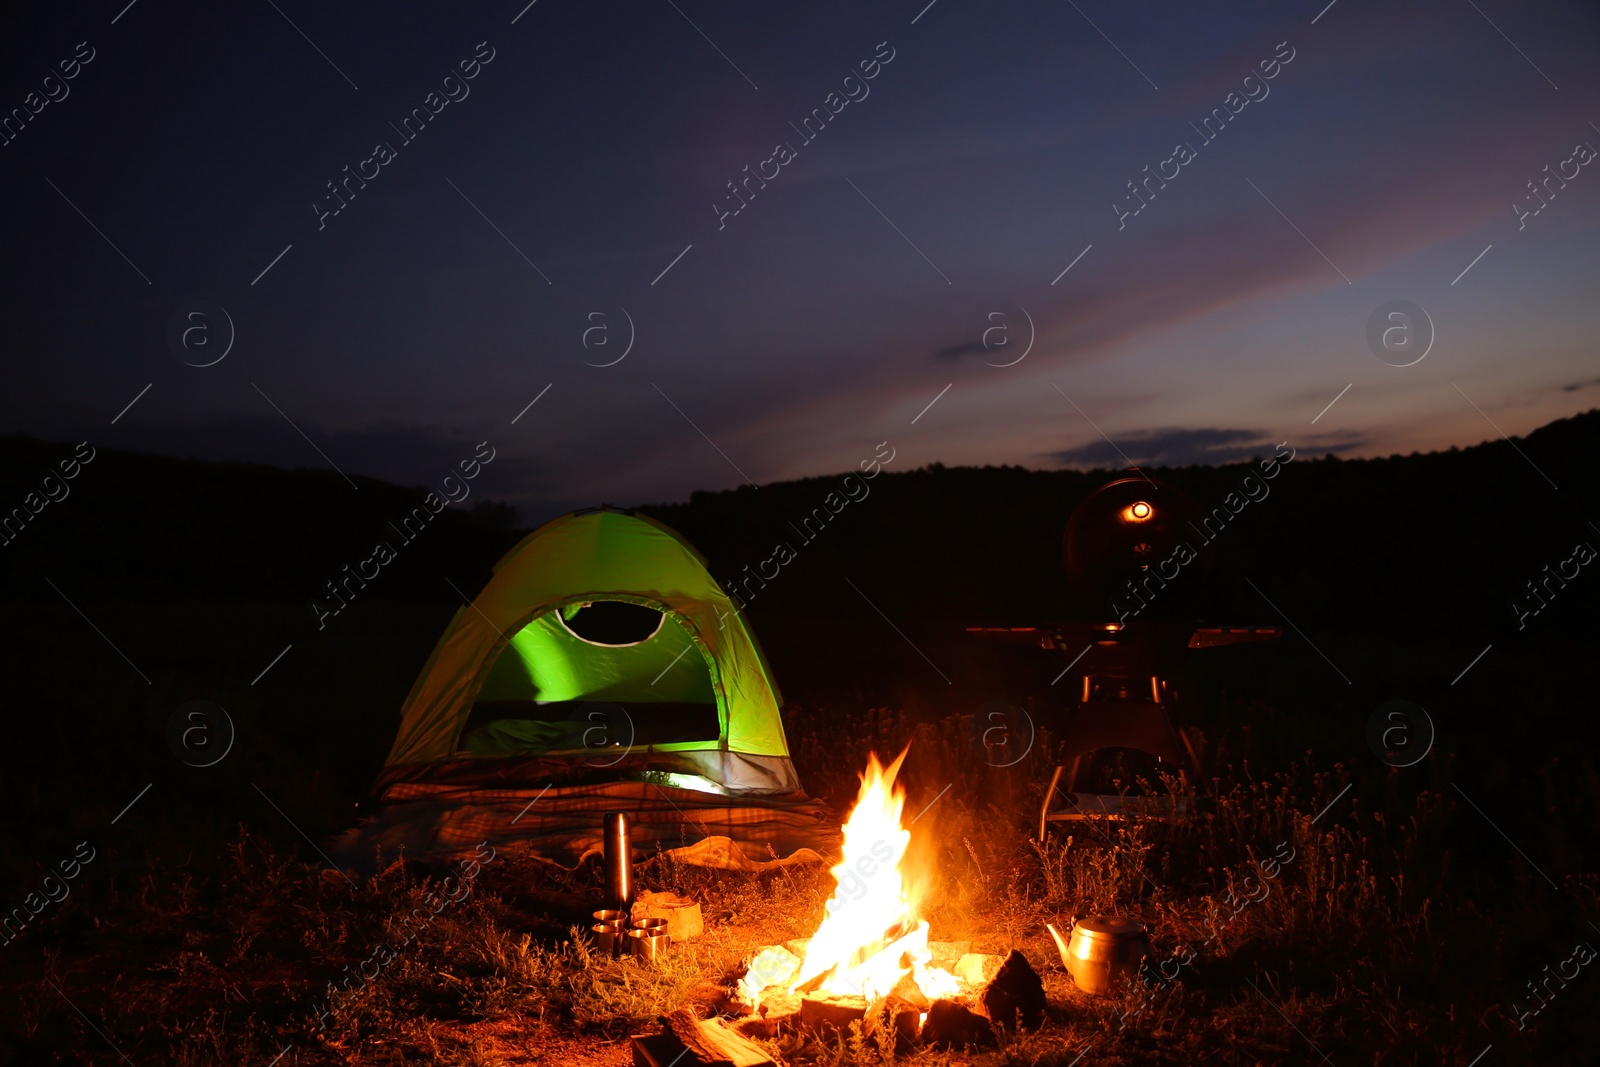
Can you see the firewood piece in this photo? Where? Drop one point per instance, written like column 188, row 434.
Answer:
column 977, row 968
column 742, row 1051
column 1015, row 995
column 950, row 1024
column 700, row 1049
column 831, row 1011
column 814, row 983
column 798, row 946
column 755, row 1026
column 902, row 1017
column 779, row 1013
column 906, row 989
column 707, row 1043
column 655, row 1050
column 773, row 966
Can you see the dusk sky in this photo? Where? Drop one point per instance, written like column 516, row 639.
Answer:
column 578, row 181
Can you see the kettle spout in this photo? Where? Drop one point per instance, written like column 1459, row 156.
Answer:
column 1061, row 942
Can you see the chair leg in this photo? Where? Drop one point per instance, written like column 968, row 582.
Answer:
column 1072, row 778
column 1194, row 759
column 1044, row 810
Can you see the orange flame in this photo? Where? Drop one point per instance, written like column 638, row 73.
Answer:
column 871, row 936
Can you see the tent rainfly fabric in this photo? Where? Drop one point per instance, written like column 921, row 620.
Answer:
column 512, row 677
column 603, row 663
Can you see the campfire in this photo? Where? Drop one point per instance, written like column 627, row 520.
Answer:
column 871, row 955
column 871, row 936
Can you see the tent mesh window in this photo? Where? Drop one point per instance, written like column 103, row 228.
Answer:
column 593, row 676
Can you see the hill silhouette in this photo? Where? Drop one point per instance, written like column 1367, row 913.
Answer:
column 1398, row 541
column 154, row 581
column 132, row 526
column 1390, row 573
column 1387, row 544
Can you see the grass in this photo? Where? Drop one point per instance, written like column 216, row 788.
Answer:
column 1370, row 944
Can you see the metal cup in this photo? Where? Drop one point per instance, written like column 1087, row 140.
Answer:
column 650, row 924
column 609, row 931
column 1105, row 951
column 607, row 938
column 650, row 944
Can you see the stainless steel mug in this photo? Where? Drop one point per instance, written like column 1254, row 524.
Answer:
column 650, row 943
column 610, row 931
column 608, row 938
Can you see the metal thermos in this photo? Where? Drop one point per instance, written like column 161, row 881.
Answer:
column 618, row 861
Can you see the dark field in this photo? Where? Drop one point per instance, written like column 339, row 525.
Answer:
column 1418, row 906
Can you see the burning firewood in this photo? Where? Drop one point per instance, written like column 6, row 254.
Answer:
column 902, row 1017
column 763, row 993
column 907, row 991
column 951, row 1024
column 901, row 1011
column 871, row 934
column 1015, row 996
column 770, row 966
column 870, row 961
column 779, row 1012
column 832, row 1011
column 947, row 953
column 977, row 968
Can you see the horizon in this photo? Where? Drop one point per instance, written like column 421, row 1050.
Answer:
column 528, row 522
column 1019, row 237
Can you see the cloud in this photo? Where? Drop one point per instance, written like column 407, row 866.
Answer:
column 1211, row 247
column 1575, row 386
column 1199, row 446
column 951, row 353
column 1334, row 442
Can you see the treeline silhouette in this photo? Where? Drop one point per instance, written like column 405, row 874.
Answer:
column 140, row 527
column 1386, row 545
column 1389, row 576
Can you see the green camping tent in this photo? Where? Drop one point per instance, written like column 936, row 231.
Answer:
column 601, row 647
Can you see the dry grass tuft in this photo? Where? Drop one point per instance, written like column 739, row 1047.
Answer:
column 1365, row 945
